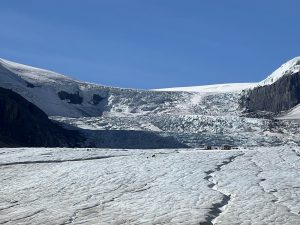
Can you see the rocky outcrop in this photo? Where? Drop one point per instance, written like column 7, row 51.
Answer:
column 97, row 99
column 280, row 96
column 70, row 97
column 24, row 124
column 30, row 85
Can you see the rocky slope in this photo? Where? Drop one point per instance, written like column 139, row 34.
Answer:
column 279, row 96
column 23, row 124
column 279, row 92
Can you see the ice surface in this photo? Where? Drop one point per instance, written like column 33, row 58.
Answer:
column 103, row 186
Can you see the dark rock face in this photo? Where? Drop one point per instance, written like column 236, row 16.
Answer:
column 24, row 124
column 72, row 98
column 97, row 99
column 30, row 85
column 279, row 96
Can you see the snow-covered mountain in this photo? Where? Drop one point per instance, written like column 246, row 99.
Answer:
column 55, row 94
column 290, row 67
column 194, row 116
column 279, row 92
column 59, row 95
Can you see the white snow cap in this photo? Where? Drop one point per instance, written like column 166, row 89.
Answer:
column 213, row 88
column 32, row 72
column 288, row 68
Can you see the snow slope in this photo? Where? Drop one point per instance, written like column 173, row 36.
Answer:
column 215, row 88
column 288, row 68
column 102, row 186
column 34, row 74
column 42, row 87
column 293, row 114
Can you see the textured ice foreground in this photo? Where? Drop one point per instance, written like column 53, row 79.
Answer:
column 98, row 186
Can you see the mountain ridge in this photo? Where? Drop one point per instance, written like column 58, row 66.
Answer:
column 193, row 116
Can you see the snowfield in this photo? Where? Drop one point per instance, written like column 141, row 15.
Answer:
column 183, row 186
column 214, row 88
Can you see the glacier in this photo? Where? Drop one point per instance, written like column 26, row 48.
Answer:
column 256, row 182
column 195, row 116
column 179, row 186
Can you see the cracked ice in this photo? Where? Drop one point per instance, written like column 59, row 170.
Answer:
column 103, row 186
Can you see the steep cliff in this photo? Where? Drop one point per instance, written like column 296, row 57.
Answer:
column 279, row 96
column 24, row 124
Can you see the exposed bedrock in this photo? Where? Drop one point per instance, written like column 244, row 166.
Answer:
column 72, row 98
column 282, row 95
column 24, row 124
column 97, row 99
column 75, row 98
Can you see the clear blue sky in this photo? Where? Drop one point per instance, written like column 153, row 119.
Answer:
column 152, row 43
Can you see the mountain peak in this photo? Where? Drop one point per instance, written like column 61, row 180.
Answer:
column 290, row 67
